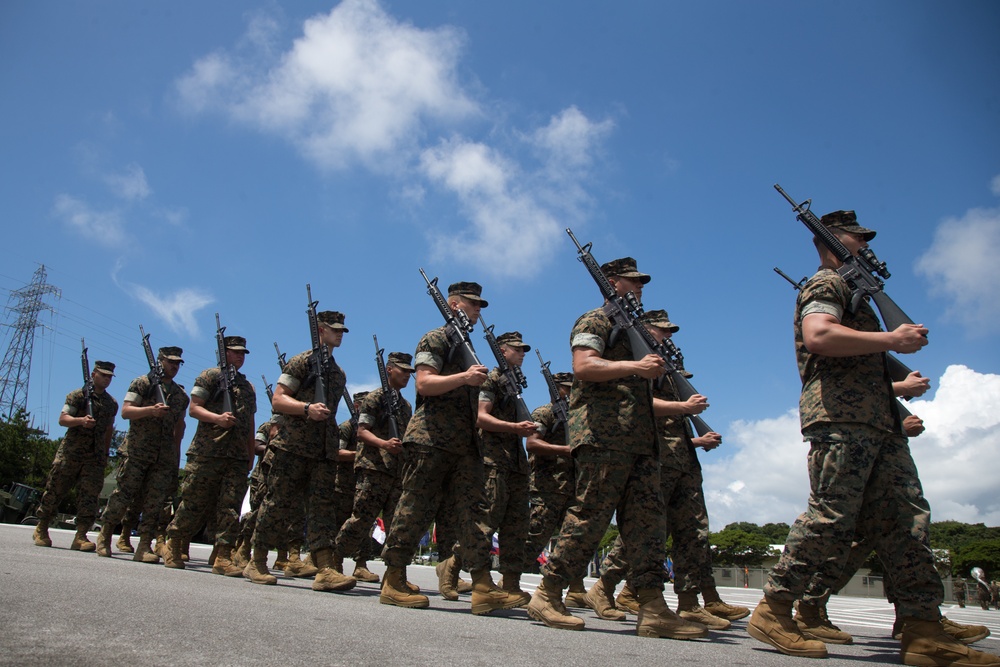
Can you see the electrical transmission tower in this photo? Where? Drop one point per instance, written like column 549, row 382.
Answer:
column 16, row 368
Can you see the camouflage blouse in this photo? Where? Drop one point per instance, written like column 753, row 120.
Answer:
column 675, row 432
column 616, row 415
column 447, row 421
column 345, row 477
column 297, row 433
column 375, row 418
column 152, row 438
column 503, row 450
column 841, row 389
column 551, row 474
column 214, row 441
column 82, row 442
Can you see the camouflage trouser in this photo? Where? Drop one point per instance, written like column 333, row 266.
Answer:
column 294, row 482
column 610, row 483
column 87, row 473
column 431, row 476
column 142, row 486
column 862, row 481
column 507, row 498
column 446, row 529
column 377, row 493
column 212, row 485
column 548, row 510
column 686, row 518
column 258, row 489
column 345, row 509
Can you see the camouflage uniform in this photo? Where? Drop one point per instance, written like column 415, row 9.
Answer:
column 345, row 484
column 506, row 477
column 304, row 466
column 148, row 474
column 258, row 481
column 861, row 473
column 616, row 453
column 80, row 460
column 551, row 487
column 685, row 515
column 378, row 477
column 217, row 461
column 443, row 464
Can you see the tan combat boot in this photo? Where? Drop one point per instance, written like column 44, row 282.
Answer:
column 815, row 624
column 716, row 607
column 413, row 588
column 256, row 570
column 337, row 562
column 144, row 553
column 397, row 591
column 511, row 582
column 656, row 619
column 600, row 598
column 362, row 573
column 967, row 634
column 547, row 607
column 185, row 550
column 173, row 558
column 447, row 574
column 124, row 543
column 926, row 644
column 81, row 543
column 461, row 585
column 224, row 563
column 41, row 535
column 302, row 568
column 486, row 597
column 576, row 596
column 626, row 600
column 282, row 560
column 772, row 624
column 689, row 609
column 241, row 556
column 329, row 579
column 104, row 541
column 160, row 548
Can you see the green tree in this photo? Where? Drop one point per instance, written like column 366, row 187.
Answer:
column 740, row 548
column 25, row 453
column 983, row 553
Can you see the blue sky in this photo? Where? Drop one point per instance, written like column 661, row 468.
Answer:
column 169, row 160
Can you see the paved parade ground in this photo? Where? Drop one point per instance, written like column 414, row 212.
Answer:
column 60, row 607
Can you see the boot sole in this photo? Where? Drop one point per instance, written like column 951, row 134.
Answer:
column 719, row 625
column 827, row 640
column 419, row 604
column 558, row 626
column 652, row 632
column 486, row 607
column 921, row 660
column 339, row 588
column 763, row 637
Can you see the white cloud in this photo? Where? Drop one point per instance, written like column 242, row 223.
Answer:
column 995, row 185
column 130, row 185
column 765, row 479
column 177, row 309
column 962, row 268
column 103, row 227
column 358, row 84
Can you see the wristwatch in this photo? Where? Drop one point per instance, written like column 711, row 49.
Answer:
column 305, row 410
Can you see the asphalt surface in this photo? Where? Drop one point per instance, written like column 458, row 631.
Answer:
column 61, row 607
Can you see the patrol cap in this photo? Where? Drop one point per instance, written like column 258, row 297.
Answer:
column 658, row 318
column 359, row 396
column 848, row 222
column 513, row 338
column 625, row 267
column 236, row 343
column 402, row 361
column 470, row 291
column 105, row 367
column 332, row 319
column 171, row 353
column 563, row 378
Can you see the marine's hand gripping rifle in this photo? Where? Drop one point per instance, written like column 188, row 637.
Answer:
column 227, row 374
column 390, row 396
column 457, row 325
column 624, row 313
column 863, row 273
column 320, row 358
column 155, row 374
column 513, row 378
column 560, row 407
column 88, row 381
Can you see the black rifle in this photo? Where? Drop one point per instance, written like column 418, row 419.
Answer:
column 155, row 374
column 897, row 369
column 560, row 407
column 390, row 397
column 457, row 325
column 349, row 402
column 320, row 357
column 227, row 374
column 624, row 313
column 282, row 362
column 863, row 273
column 512, row 378
column 88, row 381
column 268, row 388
